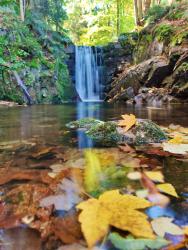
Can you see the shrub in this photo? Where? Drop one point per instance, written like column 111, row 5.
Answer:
column 156, row 12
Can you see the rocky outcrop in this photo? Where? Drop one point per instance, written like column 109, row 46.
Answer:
column 117, row 56
column 160, row 69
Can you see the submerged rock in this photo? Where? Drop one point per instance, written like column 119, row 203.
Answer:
column 110, row 134
column 86, row 123
column 147, row 132
column 104, row 133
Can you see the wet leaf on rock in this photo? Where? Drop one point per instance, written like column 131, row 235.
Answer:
column 127, row 122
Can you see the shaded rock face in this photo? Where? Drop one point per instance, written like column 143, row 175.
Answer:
column 160, row 61
column 117, row 56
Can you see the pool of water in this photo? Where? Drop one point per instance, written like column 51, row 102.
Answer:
column 46, row 125
column 48, row 121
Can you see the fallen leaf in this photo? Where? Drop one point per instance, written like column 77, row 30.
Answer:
column 134, row 176
column 186, row 230
column 127, row 122
column 10, row 221
column 176, row 140
column 42, row 153
column 129, row 243
column 74, row 246
column 155, row 176
column 116, row 210
column 7, row 175
column 127, row 149
column 67, row 228
column 153, row 194
column 175, row 148
column 167, row 188
column 164, row 225
column 66, row 200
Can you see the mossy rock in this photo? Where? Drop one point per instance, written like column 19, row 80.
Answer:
column 104, row 133
column 85, row 123
column 148, row 132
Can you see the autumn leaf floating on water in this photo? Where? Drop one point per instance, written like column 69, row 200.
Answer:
column 114, row 209
column 128, row 122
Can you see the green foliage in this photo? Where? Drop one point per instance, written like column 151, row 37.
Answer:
column 180, row 36
column 99, row 22
column 35, row 50
column 156, row 13
column 175, row 14
column 128, row 39
column 163, row 32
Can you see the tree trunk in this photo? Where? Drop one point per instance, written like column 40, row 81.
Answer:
column 140, row 10
column 147, row 4
column 136, row 12
column 22, row 11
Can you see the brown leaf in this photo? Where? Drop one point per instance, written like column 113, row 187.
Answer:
column 67, row 229
column 25, row 198
column 7, row 175
column 10, row 221
column 44, row 152
column 127, row 149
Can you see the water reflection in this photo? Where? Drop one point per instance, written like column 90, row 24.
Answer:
column 85, row 109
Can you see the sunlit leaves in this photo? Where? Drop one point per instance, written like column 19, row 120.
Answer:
column 114, row 209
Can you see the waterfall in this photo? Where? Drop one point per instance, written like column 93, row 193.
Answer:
column 88, row 73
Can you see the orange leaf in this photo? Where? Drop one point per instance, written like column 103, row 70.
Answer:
column 127, row 122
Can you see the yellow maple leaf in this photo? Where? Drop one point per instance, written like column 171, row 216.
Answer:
column 167, row 188
column 127, row 122
column 113, row 209
column 176, row 140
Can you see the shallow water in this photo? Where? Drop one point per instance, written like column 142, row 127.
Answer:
column 47, row 125
column 48, row 121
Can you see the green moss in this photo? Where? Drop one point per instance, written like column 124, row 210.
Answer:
column 104, row 133
column 180, row 37
column 86, row 123
column 128, row 40
column 164, row 32
column 156, row 12
column 175, row 14
column 149, row 132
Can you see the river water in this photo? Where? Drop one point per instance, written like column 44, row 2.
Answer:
column 48, row 121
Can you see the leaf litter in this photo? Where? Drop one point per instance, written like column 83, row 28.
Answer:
column 78, row 199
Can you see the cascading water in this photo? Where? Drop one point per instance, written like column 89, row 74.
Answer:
column 88, row 73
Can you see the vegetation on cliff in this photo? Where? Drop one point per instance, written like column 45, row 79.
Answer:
column 160, row 58
column 35, row 50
